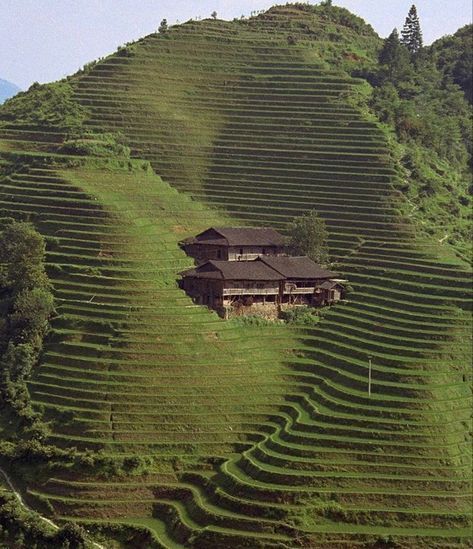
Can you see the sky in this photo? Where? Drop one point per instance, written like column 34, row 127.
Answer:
column 45, row 40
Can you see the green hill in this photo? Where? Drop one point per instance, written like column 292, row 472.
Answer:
column 205, row 433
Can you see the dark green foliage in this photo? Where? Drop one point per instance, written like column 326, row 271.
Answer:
column 214, row 15
column 453, row 56
column 30, row 304
column 70, row 536
column 22, row 528
column 395, row 60
column 432, row 122
column 30, row 315
column 19, row 360
column 412, row 33
column 22, row 251
column 308, row 236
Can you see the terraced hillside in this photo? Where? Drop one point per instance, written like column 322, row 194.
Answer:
column 247, row 436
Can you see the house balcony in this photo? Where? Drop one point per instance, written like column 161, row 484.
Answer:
column 250, row 291
column 299, row 291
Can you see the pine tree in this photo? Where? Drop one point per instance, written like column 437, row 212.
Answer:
column 412, row 33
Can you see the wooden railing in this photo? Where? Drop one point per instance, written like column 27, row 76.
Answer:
column 299, row 290
column 251, row 291
column 268, row 291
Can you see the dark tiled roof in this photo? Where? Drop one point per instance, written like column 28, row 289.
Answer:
column 240, row 236
column 296, row 267
column 188, row 272
column 234, row 270
column 247, row 236
column 208, row 241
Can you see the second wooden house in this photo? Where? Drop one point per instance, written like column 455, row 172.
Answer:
column 234, row 244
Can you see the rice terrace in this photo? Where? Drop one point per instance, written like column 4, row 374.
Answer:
column 181, row 365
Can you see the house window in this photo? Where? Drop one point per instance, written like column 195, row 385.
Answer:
column 241, row 251
column 219, row 254
column 264, row 251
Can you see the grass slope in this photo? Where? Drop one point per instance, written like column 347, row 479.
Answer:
column 257, row 436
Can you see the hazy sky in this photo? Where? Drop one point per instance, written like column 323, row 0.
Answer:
column 44, row 40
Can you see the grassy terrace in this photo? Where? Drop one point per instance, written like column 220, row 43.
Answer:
column 259, row 436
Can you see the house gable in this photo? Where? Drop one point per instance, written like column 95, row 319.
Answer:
column 212, row 235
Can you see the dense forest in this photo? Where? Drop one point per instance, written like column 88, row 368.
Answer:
column 424, row 95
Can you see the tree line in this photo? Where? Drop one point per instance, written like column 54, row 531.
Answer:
column 26, row 303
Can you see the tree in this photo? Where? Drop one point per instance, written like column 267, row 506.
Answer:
column 163, row 27
column 412, row 33
column 31, row 312
column 308, row 236
column 463, row 74
column 22, row 251
column 70, row 536
column 17, row 361
column 214, row 15
column 395, row 59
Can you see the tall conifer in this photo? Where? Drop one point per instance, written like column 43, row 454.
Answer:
column 412, row 33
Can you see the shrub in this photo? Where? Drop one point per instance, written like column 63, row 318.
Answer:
column 305, row 316
column 104, row 145
column 252, row 320
column 70, row 536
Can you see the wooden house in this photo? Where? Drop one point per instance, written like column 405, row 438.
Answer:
column 220, row 283
column 234, row 244
column 267, row 280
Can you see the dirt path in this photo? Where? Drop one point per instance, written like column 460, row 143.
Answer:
column 23, row 504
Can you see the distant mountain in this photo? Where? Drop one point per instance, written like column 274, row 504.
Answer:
column 7, row 90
